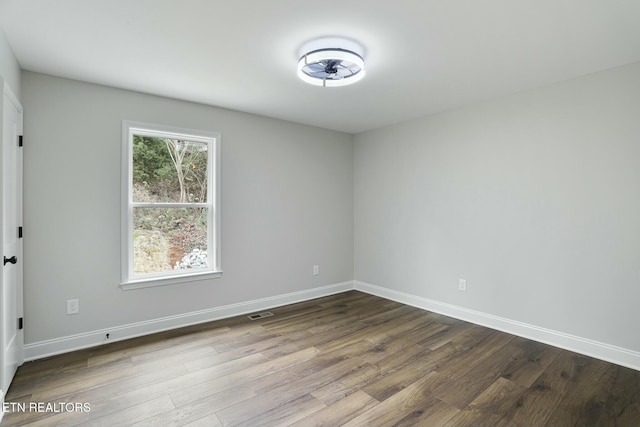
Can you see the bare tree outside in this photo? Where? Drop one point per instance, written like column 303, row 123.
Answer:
column 186, row 158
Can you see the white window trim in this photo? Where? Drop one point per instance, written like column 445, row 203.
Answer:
column 128, row 279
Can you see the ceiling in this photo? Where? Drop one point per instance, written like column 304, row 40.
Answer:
column 422, row 56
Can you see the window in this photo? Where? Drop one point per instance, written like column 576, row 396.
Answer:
column 170, row 205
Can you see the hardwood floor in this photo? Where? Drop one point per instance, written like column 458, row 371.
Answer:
column 350, row 359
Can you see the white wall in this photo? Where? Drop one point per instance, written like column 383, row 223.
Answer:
column 534, row 199
column 9, row 68
column 287, row 204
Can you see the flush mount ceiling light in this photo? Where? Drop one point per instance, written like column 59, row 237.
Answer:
column 331, row 67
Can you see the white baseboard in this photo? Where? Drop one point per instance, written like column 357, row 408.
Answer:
column 599, row 350
column 41, row 349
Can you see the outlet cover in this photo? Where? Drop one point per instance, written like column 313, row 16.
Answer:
column 73, row 306
column 462, row 285
column 316, row 270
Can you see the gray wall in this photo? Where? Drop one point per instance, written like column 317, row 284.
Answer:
column 534, row 199
column 287, row 204
column 9, row 68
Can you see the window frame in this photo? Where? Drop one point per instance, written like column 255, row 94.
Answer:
column 130, row 280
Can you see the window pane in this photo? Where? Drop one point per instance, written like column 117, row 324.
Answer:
column 168, row 239
column 169, row 170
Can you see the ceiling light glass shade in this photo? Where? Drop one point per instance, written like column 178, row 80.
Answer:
column 331, row 67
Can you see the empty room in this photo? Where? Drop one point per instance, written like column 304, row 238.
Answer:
column 275, row 213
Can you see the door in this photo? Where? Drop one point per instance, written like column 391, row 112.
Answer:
column 11, row 333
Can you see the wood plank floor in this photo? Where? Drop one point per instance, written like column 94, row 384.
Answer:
column 350, row 359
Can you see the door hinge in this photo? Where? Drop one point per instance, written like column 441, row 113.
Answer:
column 19, row 232
column 20, row 323
column 19, row 140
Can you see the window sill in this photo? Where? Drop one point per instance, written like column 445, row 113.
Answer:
column 173, row 280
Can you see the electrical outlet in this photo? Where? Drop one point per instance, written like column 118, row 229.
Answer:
column 73, row 306
column 462, row 285
column 316, row 270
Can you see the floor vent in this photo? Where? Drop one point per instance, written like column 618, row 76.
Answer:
column 260, row 315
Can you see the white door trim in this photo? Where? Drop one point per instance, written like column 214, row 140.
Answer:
column 9, row 361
